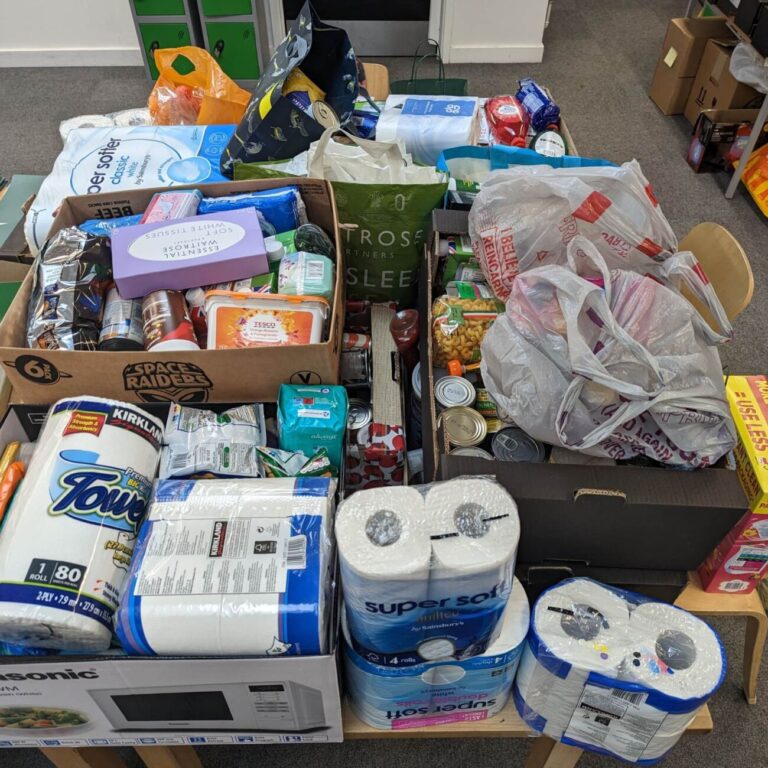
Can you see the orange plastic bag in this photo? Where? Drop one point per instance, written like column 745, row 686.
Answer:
column 202, row 95
column 755, row 178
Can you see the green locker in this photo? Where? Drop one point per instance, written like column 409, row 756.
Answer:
column 161, row 36
column 233, row 44
column 159, row 7
column 212, row 8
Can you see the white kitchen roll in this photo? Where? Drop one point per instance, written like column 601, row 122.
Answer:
column 69, row 537
column 394, row 698
column 416, row 587
column 230, row 568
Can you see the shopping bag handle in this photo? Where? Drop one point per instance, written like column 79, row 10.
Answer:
column 436, row 54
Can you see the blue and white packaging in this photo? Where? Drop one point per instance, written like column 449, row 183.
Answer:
column 283, row 207
column 235, row 567
column 614, row 672
column 96, row 160
column 427, row 577
column 395, row 698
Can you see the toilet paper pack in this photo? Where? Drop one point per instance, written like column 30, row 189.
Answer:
column 426, row 576
column 68, row 539
column 232, row 568
column 438, row 693
column 614, row 672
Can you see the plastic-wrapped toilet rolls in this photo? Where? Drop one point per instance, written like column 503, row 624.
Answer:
column 426, row 579
column 438, row 692
column 67, row 542
column 232, row 567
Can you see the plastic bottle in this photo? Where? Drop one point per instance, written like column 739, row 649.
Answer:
column 540, row 107
column 549, row 142
column 508, row 120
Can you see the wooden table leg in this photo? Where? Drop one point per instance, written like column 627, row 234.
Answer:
column 86, row 757
column 546, row 753
column 169, row 757
column 757, row 628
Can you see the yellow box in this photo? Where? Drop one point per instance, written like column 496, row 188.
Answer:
column 748, row 400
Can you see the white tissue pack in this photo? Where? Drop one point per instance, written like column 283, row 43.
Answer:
column 614, row 672
column 436, row 693
column 426, row 576
column 235, row 567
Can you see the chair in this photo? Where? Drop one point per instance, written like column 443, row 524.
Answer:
column 725, row 264
column 377, row 78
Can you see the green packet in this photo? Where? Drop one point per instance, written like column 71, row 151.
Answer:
column 279, row 463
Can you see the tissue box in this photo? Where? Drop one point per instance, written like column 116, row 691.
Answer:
column 187, row 253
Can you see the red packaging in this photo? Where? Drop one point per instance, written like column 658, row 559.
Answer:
column 507, row 120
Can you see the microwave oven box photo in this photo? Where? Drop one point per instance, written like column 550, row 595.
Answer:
column 76, row 700
column 219, row 375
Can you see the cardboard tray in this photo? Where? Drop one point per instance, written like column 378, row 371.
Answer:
column 588, row 516
column 225, row 375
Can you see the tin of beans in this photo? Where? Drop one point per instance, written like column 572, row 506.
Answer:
column 463, row 426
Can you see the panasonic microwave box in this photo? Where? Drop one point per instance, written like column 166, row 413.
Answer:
column 209, row 375
column 74, row 700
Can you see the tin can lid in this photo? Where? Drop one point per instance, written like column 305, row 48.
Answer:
column 478, row 453
column 463, row 426
column 359, row 414
column 512, row 444
column 451, row 391
column 416, row 380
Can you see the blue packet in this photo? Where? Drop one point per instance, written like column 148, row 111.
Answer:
column 283, row 207
column 104, row 227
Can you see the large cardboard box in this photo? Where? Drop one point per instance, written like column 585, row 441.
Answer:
column 679, row 60
column 617, row 517
column 715, row 87
column 227, row 375
column 117, row 700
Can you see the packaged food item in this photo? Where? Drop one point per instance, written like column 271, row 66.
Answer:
column 485, row 405
column 359, row 416
column 302, row 92
column 306, row 274
column 279, row 463
column 355, row 366
column 549, row 142
column 165, row 206
column 470, row 272
column 122, row 329
column 512, row 444
column 464, row 289
column 351, row 341
column 473, row 452
column 237, row 320
column 404, row 327
column 104, row 227
column 282, row 207
column 459, row 325
column 71, row 280
column 310, row 418
column 311, row 238
column 464, row 427
column 541, row 109
column 507, row 120
column 454, row 390
column 220, row 444
column 167, row 325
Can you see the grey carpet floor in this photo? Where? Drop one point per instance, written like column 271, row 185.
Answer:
column 598, row 62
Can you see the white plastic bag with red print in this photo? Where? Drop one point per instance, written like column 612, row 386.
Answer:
column 610, row 363
column 524, row 217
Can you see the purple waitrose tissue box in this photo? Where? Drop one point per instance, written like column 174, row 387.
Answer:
column 187, row 253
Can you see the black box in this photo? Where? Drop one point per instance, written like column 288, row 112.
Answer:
column 589, row 516
column 719, row 138
column 760, row 34
column 748, row 14
column 727, row 7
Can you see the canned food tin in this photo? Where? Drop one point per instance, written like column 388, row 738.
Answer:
column 486, row 405
column 356, row 366
column 463, row 426
column 477, row 453
column 451, row 391
column 359, row 415
column 512, row 444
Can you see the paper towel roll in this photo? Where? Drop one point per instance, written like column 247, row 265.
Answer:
column 232, row 567
column 438, row 692
column 67, row 542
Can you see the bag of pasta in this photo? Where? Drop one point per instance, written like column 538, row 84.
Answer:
column 459, row 326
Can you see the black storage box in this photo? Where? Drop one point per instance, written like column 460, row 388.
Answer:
column 760, row 34
column 588, row 516
column 748, row 14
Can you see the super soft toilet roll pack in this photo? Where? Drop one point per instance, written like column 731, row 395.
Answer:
column 232, row 567
column 614, row 672
column 426, row 577
column 70, row 534
column 394, row 698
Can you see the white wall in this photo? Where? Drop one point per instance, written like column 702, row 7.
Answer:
column 73, row 33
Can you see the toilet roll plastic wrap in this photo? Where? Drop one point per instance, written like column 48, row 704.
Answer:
column 70, row 534
column 426, row 574
column 395, row 698
column 232, row 568
column 615, row 672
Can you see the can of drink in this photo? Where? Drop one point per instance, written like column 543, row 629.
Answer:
column 512, row 444
column 122, row 329
column 478, row 453
column 463, row 426
column 451, row 391
column 359, row 415
column 167, row 325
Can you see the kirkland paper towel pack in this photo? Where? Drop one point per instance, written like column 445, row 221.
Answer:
column 69, row 537
column 232, row 567
column 436, row 693
column 427, row 577
column 614, row 672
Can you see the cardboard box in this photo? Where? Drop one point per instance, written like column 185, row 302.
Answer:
column 719, row 138
column 160, row 700
column 679, row 61
column 619, row 517
column 226, row 375
column 735, row 567
column 715, row 87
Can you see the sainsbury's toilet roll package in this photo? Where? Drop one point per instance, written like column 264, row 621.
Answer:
column 426, row 575
column 68, row 539
column 395, row 698
column 615, row 672
column 232, row 567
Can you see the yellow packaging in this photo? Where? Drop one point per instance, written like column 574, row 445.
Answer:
column 748, row 400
